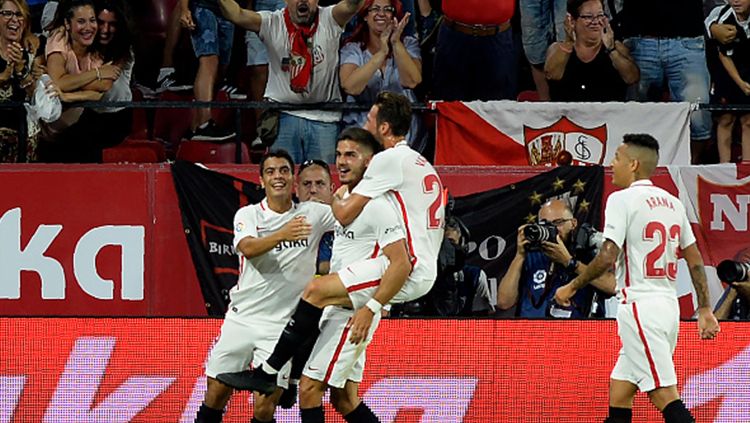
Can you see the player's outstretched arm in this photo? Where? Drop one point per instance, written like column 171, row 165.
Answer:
column 601, row 263
column 245, row 18
column 294, row 230
column 708, row 326
column 392, row 281
column 345, row 210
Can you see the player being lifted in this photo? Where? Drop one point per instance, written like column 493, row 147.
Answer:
column 645, row 228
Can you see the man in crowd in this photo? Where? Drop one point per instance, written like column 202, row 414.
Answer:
column 315, row 184
column 277, row 242
column 646, row 230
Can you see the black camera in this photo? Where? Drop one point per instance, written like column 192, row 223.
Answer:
column 587, row 242
column 733, row 271
column 536, row 233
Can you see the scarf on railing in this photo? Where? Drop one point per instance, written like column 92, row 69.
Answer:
column 300, row 64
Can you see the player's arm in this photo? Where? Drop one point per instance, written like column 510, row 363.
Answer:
column 294, row 230
column 345, row 10
column 245, row 18
column 347, row 209
column 708, row 326
column 605, row 283
column 601, row 263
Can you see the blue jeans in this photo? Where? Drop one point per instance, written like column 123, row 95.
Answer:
column 213, row 35
column 542, row 23
column 307, row 139
column 682, row 61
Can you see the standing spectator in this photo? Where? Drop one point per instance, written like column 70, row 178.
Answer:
column 589, row 65
column 475, row 58
column 542, row 22
column 17, row 76
column 667, row 43
column 732, row 81
column 379, row 57
column 303, row 51
column 100, row 128
column 212, row 38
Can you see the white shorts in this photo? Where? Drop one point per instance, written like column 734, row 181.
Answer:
column 362, row 279
column 334, row 359
column 648, row 330
column 239, row 344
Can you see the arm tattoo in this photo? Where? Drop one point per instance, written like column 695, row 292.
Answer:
column 601, row 263
column 698, row 275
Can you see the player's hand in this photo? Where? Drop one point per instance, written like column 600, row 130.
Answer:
column 708, row 326
column 186, row 20
column 723, row 33
column 296, row 229
column 521, row 242
column 564, row 294
column 359, row 325
column 556, row 251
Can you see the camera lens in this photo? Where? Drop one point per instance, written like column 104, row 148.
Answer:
column 733, row 271
column 533, row 233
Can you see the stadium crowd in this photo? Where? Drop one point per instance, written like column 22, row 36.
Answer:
column 553, row 50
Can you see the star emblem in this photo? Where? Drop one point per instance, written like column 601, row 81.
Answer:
column 578, row 186
column 583, row 206
column 558, row 184
column 531, row 218
column 535, row 198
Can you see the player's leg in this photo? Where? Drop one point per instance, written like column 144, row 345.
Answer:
column 621, row 394
column 668, row 401
column 216, row 398
column 289, row 396
column 264, row 407
column 311, row 400
column 347, row 402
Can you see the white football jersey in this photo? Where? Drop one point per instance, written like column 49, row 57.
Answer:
column 376, row 227
column 419, row 198
column 650, row 226
column 270, row 285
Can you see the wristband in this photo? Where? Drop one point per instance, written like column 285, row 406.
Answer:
column 374, row 306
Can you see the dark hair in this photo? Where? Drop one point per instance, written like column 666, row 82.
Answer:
column 120, row 48
column 65, row 11
column 279, row 154
column 395, row 110
column 642, row 140
column 314, row 162
column 361, row 33
column 574, row 6
column 362, row 137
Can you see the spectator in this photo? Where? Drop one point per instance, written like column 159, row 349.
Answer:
column 18, row 73
column 100, row 128
column 76, row 66
column 315, row 184
column 167, row 80
column 589, row 65
column 667, row 44
column 475, row 41
column 379, row 57
column 303, row 70
column 732, row 81
column 212, row 38
column 538, row 270
column 735, row 303
column 542, row 21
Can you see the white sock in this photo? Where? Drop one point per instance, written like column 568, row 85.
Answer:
column 164, row 72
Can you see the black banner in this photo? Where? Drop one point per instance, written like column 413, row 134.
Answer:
column 493, row 217
column 208, row 202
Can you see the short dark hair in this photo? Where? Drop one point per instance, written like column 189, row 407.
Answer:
column 395, row 110
column 279, row 154
column 362, row 137
column 642, row 140
column 314, row 162
column 574, row 6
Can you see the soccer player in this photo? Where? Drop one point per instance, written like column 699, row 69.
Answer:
column 277, row 243
column 421, row 202
column 645, row 228
column 334, row 362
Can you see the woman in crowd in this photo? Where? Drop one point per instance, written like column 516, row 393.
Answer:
column 77, row 67
column 589, row 65
column 18, row 73
column 378, row 56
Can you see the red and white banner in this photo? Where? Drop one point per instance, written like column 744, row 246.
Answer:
column 529, row 133
column 438, row 371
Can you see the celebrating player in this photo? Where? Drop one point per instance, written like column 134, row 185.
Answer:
column 277, row 241
column 645, row 227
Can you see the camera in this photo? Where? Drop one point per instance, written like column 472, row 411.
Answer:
column 587, row 242
column 731, row 271
column 536, row 233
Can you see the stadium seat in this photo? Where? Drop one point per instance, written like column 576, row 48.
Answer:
column 528, row 95
column 209, row 152
column 139, row 127
column 135, row 151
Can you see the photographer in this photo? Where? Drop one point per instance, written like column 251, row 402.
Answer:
column 539, row 268
column 735, row 303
